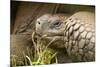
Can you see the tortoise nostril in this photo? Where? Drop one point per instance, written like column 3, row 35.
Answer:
column 38, row 22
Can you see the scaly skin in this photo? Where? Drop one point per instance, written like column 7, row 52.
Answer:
column 80, row 36
column 76, row 33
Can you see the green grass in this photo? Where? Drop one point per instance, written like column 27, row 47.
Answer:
column 41, row 54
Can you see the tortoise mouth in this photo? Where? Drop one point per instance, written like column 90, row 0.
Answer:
column 50, row 35
column 55, row 39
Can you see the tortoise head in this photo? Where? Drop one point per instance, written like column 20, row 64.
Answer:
column 52, row 26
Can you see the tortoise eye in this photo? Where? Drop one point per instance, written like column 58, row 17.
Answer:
column 57, row 23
